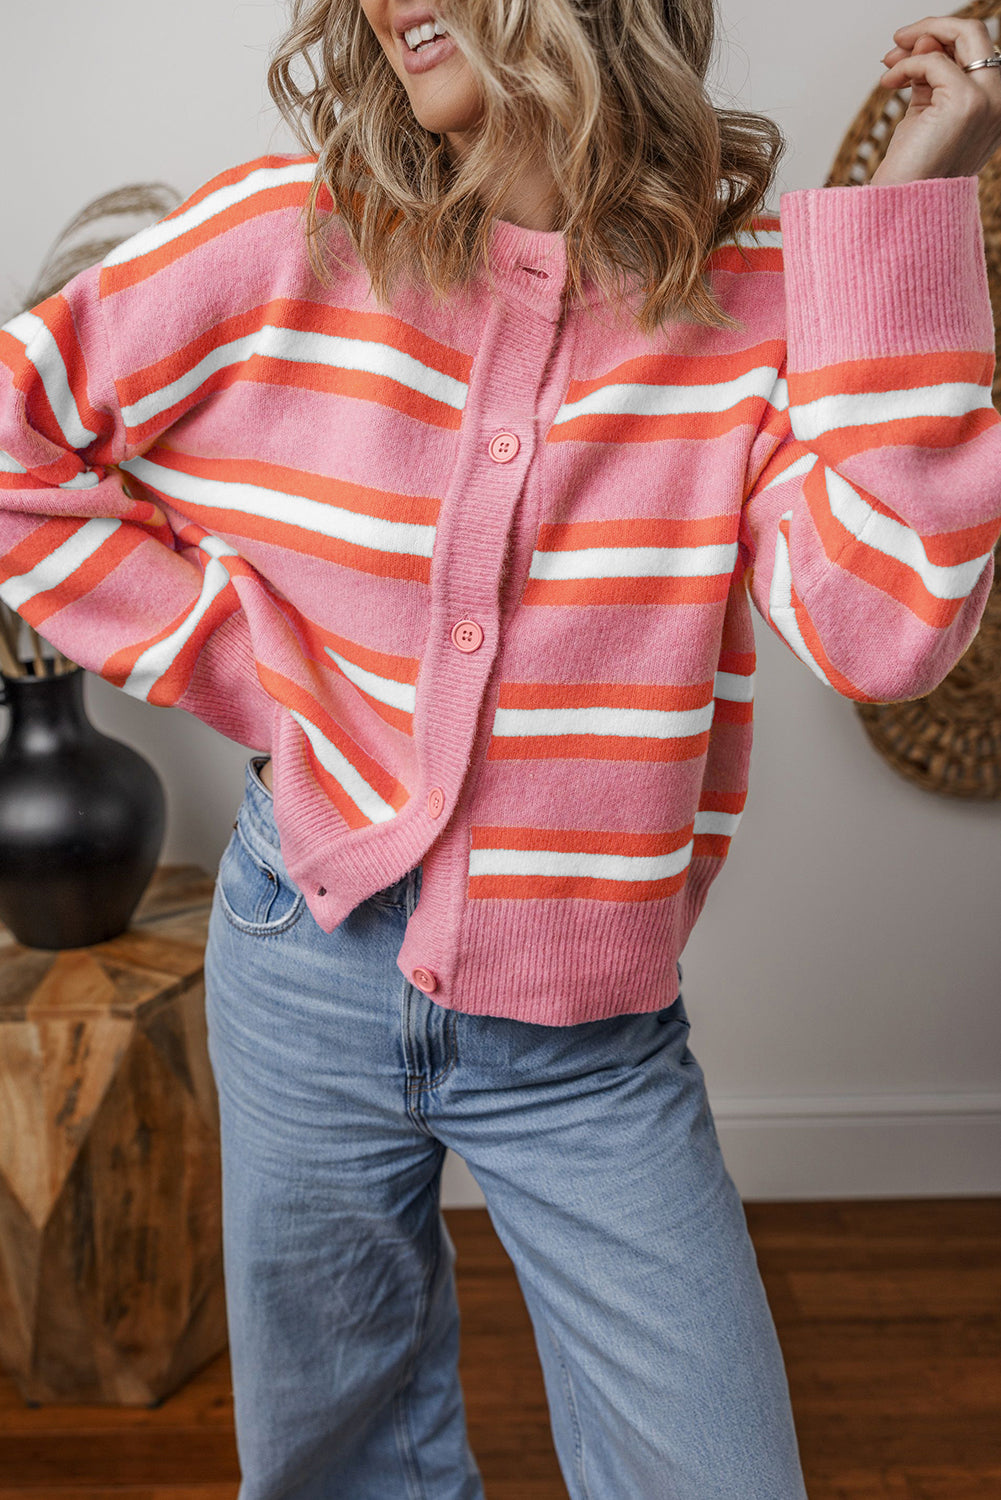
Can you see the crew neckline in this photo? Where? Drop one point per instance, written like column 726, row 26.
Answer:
column 531, row 265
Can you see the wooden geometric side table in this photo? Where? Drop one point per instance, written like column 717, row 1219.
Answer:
column 111, row 1277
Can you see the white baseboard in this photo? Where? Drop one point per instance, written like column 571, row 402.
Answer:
column 842, row 1146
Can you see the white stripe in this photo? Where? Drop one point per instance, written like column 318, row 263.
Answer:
column 709, row 821
column 155, row 236
column 635, row 562
column 42, row 351
column 9, row 464
column 765, row 238
column 737, row 687
column 298, row 347
column 894, row 539
column 645, row 723
column 798, row 469
column 402, row 695
column 161, row 655
column 577, row 864
column 635, row 398
column 52, row 571
column 365, row 797
column 780, row 605
column 874, row 408
column 316, row 516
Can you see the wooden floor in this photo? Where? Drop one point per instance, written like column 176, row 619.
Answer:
column 889, row 1315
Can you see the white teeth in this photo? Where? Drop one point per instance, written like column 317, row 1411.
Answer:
column 424, row 33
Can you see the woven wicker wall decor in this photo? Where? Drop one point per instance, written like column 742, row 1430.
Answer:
column 950, row 740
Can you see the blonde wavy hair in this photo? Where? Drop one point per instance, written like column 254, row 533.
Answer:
column 650, row 176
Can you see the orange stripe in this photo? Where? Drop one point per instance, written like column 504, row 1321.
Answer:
column 114, row 279
column 382, row 663
column 666, row 697
column 893, row 372
column 273, row 531
column 39, row 544
column 742, row 663
column 711, row 846
column 946, row 548
column 236, row 174
column 597, row 591
column 362, row 500
column 812, row 641
column 567, row 887
column 842, row 443
column 729, row 712
column 172, row 683
column 301, row 317
column 617, row 747
column 649, row 427
column 638, row 531
column 679, row 370
column 744, row 258
column 91, row 573
column 580, row 840
column 54, row 313
column 725, row 802
column 313, row 638
column 291, row 695
column 877, row 568
column 663, row 370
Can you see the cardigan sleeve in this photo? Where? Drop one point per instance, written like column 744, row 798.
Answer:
column 874, row 505
column 93, row 564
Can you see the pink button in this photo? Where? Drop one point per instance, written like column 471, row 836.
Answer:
column 467, row 635
column 436, row 801
column 424, row 980
column 503, row 447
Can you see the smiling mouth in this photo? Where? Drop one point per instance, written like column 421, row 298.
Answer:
column 415, row 40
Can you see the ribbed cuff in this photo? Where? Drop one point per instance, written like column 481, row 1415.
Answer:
column 882, row 270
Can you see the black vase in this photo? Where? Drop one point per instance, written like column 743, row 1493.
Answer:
column 82, row 818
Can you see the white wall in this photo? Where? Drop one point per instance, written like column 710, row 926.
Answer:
column 843, row 981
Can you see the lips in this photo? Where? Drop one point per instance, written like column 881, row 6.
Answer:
column 428, row 56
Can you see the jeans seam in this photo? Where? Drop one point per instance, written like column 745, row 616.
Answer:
column 574, row 1420
column 401, row 1400
column 450, row 1050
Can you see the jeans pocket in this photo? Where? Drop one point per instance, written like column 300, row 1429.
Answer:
column 255, row 896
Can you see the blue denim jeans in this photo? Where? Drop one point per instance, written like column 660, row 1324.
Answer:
column 340, row 1086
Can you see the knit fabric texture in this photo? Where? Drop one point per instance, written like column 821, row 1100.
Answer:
column 478, row 575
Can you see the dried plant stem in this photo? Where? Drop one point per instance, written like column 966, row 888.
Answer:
column 8, row 636
column 9, row 665
column 36, row 652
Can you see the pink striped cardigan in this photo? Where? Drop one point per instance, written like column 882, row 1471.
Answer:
column 478, row 575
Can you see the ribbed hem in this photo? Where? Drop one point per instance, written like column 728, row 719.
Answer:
column 884, row 270
column 223, row 690
column 563, row 963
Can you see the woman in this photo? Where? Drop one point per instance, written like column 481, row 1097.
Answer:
column 470, row 561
